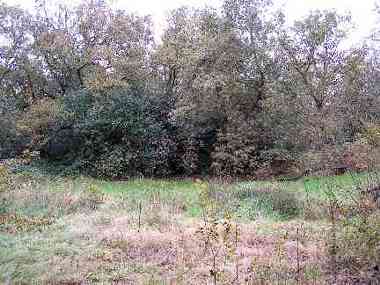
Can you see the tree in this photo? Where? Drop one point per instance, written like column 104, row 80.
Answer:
column 225, row 92
column 245, row 134
column 376, row 35
column 315, row 64
column 219, row 71
column 51, row 54
column 19, row 75
column 92, row 46
column 193, row 60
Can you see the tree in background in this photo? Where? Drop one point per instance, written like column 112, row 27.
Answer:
column 225, row 92
column 315, row 61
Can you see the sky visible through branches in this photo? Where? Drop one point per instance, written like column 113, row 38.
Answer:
column 362, row 12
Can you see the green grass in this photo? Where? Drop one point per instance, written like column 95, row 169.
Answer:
column 248, row 200
column 183, row 192
column 52, row 223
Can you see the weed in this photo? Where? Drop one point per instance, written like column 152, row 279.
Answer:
column 4, row 179
column 93, row 197
column 354, row 235
column 78, row 230
column 219, row 237
column 14, row 223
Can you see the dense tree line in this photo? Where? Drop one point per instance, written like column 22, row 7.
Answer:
column 234, row 91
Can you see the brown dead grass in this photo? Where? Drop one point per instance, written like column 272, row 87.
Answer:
column 181, row 258
column 104, row 244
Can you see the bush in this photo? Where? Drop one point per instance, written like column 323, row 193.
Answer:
column 4, row 179
column 358, row 249
column 357, row 156
column 36, row 121
column 235, row 152
column 93, row 197
column 278, row 162
column 272, row 201
column 12, row 142
column 285, row 203
column 322, row 162
column 354, row 243
column 372, row 134
column 120, row 133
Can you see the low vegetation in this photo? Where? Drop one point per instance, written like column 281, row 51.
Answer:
column 75, row 230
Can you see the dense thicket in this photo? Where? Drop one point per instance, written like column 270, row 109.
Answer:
column 230, row 92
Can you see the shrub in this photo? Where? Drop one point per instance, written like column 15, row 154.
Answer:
column 190, row 159
column 354, row 156
column 358, row 248
column 322, row 162
column 285, row 203
column 4, row 179
column 357, row 155
column 11, row 143
column 278, row 162
column 36, row 121
column 271, row 201
column 92, row 198
column 120, row 133
column 372, row 134
column 235, row 153
column 354, row 240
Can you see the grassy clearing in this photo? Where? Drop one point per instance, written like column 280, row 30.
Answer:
column 76, row 230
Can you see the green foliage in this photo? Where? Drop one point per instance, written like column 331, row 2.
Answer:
column 353, row 239
column 218, row 235
column 37, row 120
column 12, row 142
column 358, row 246
column 87, row 224
column 274, row 202
column 120, row 133
column 228, row 92
column 285, row 203
column 235, row 154
column 93, row 197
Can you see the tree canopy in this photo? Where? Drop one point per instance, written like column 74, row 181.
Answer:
column 234, row 91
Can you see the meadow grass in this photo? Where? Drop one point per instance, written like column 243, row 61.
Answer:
column 75, row 229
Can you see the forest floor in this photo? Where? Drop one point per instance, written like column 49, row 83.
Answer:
column 80, row 230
